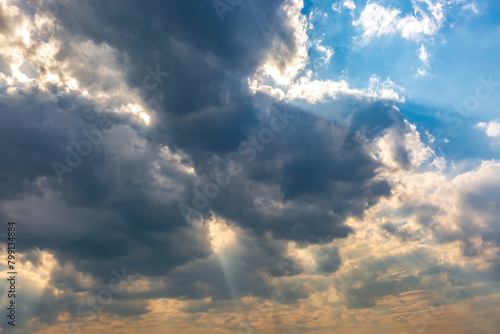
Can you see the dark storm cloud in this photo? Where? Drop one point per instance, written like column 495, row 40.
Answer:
column 236, row 269
column 92, row 225
column 49, row 306
column 372, row 119
column 209, row 60
column 206, row 111
column 112, row 210
column 328, row 259
column 33, row 135
column 319, row 171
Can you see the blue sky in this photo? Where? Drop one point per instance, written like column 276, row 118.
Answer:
column 462, row 49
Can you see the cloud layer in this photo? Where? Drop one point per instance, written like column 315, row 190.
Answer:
column 207, row 160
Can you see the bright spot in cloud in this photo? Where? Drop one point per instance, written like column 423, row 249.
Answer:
column 137, row 109
column 145, row 117
column 24, row 32
column 72, row 84
column 221, row 235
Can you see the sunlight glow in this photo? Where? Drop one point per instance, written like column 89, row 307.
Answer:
column 137, row 109
column 221, row 235
column 24, row 32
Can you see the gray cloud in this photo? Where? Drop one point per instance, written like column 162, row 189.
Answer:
column 120, row 205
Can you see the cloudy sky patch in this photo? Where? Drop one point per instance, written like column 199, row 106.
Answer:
column 251, row 166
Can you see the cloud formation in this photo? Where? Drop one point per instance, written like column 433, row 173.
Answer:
column 210, row 161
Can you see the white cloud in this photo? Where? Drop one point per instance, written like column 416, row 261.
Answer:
column 404, row 150
column 315, row 91
column 327, row 51
column 423, row 55
column 469, row 210
column 385, row 90
column 472, row 7
column 492, row 129
column 430, row 137
column 349, row 4
column 421, row 72
column 377, row 20
column 30, row 46
column 337, row 6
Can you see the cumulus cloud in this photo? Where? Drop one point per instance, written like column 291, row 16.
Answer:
column 492, row 128
column 376, row 20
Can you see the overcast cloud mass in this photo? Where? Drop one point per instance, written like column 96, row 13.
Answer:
column 237, row 166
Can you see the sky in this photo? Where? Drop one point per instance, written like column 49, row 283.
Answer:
column 237, row 166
